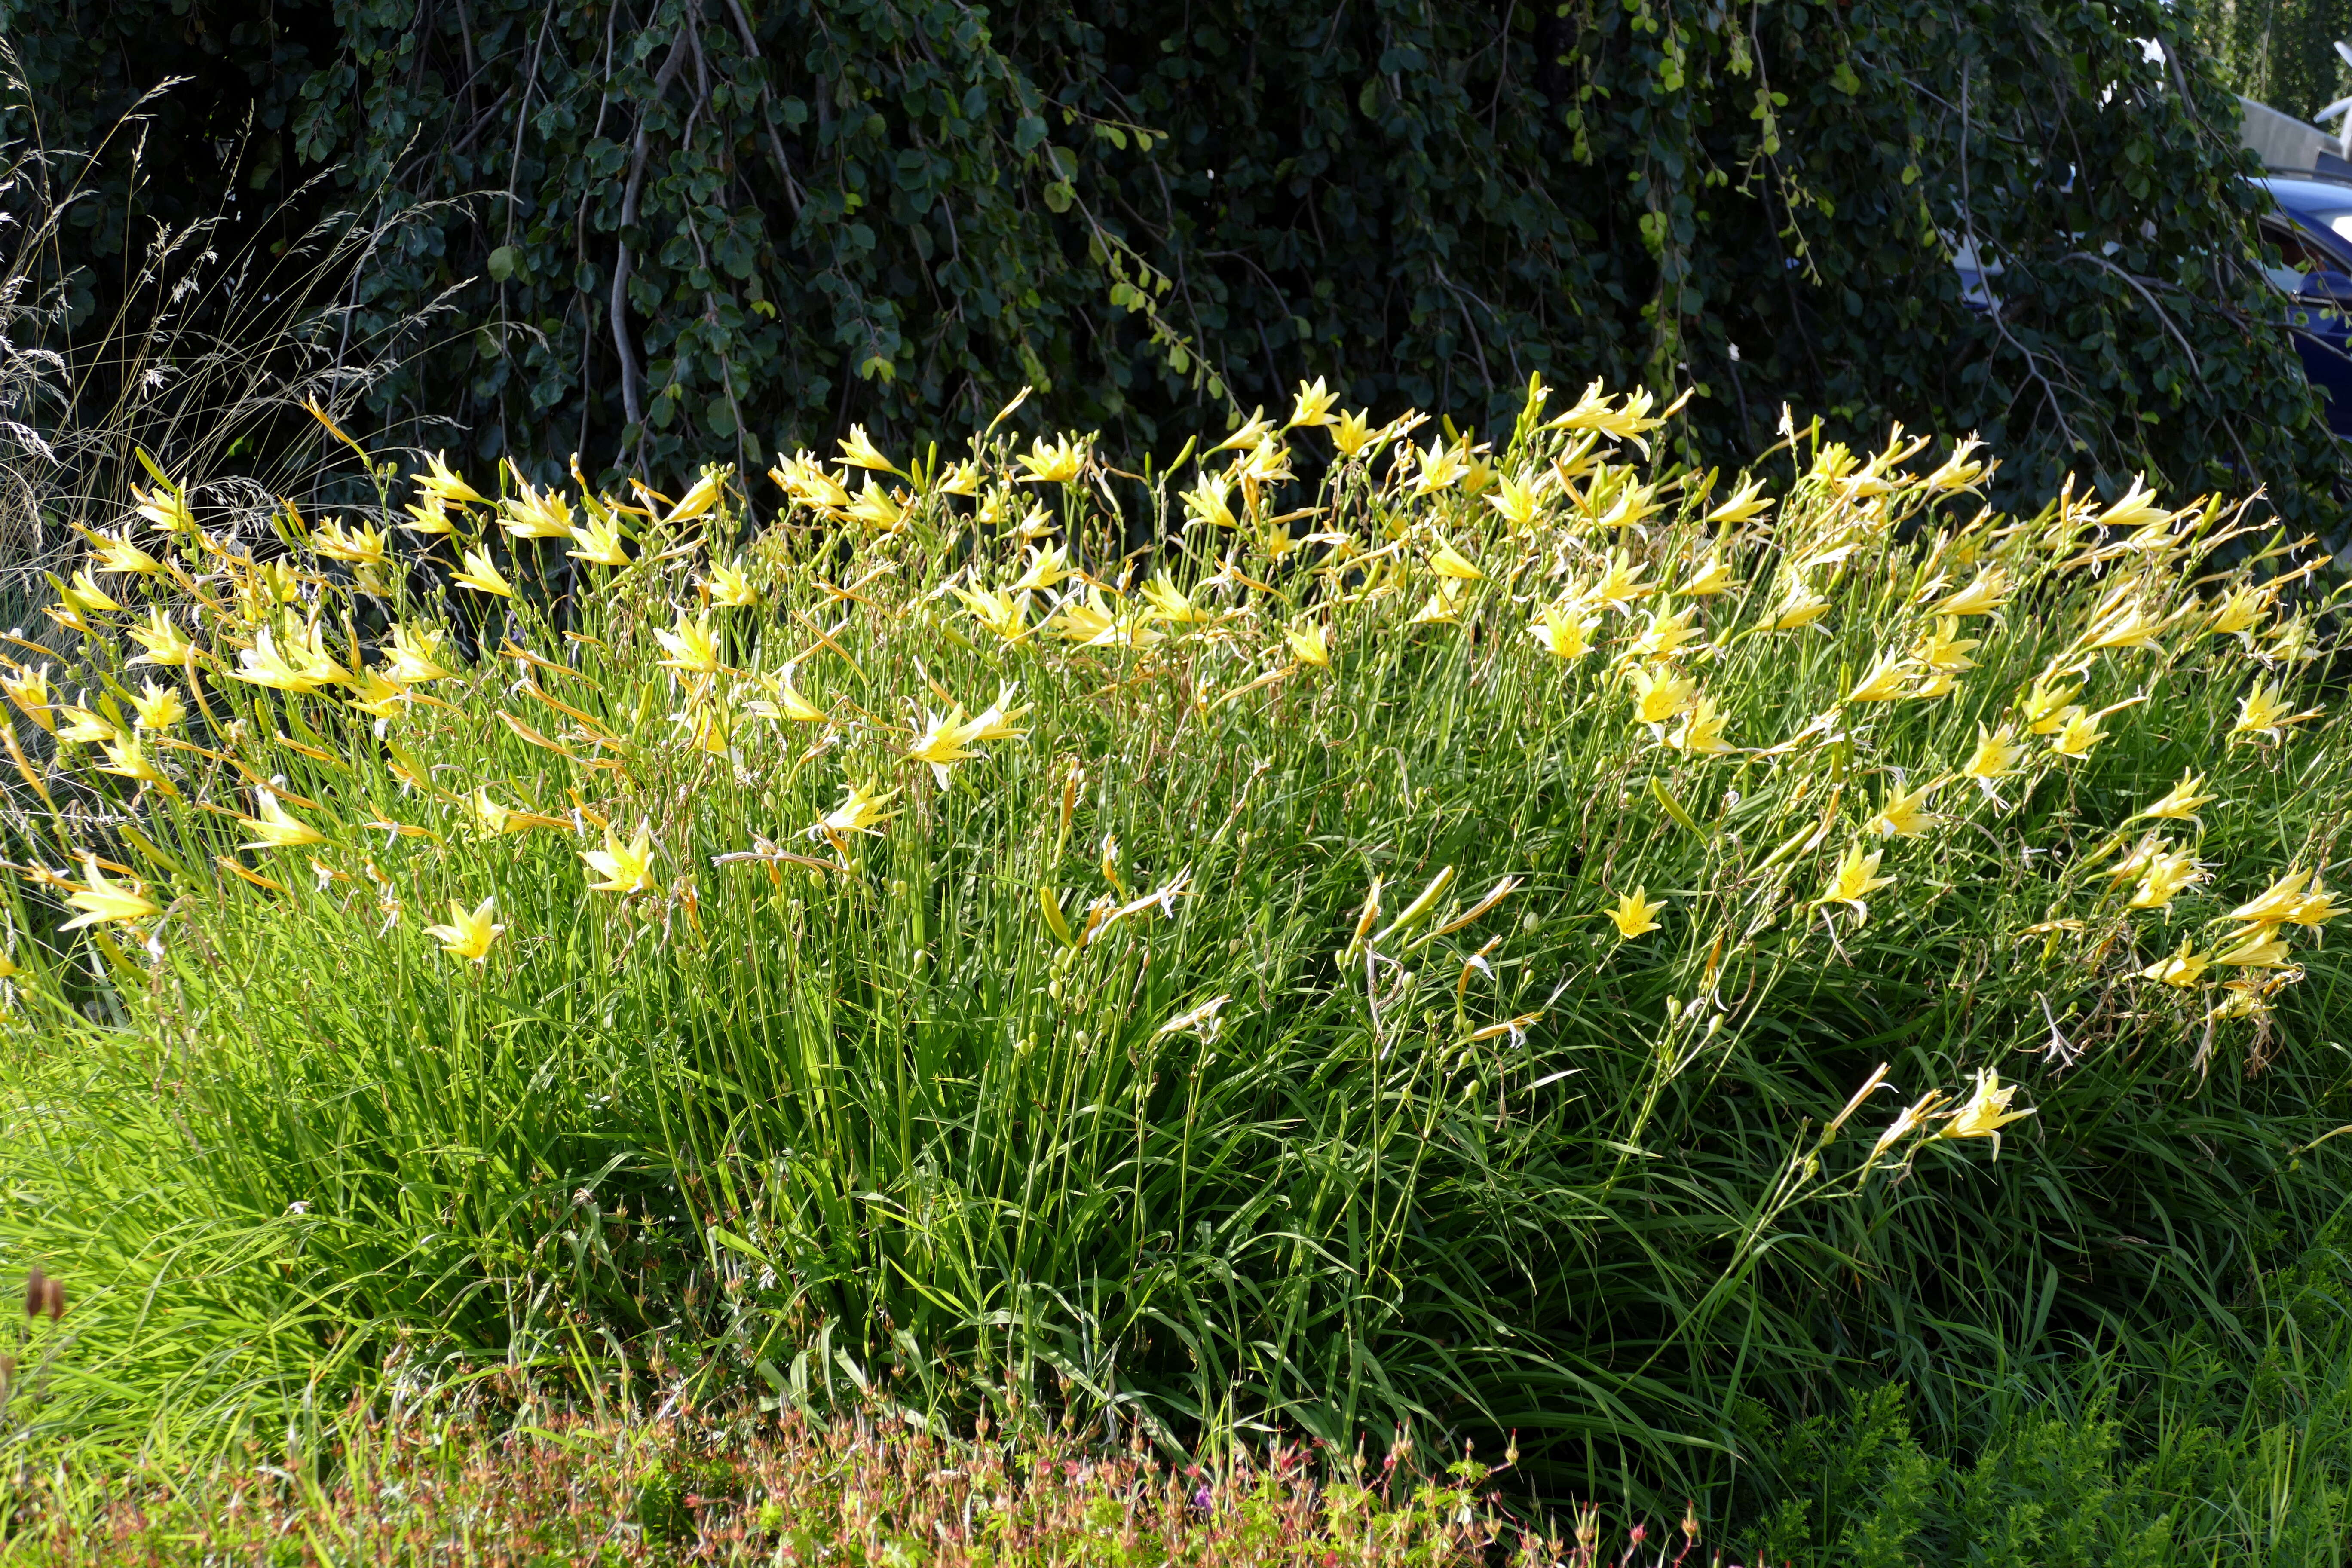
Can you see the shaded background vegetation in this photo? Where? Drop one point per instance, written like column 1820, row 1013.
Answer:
column 661, row 228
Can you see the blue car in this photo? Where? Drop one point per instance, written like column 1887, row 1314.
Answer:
column 2310, row 226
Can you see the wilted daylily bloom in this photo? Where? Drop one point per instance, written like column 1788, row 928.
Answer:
column 1633, row 915
column 625, row 868
column 468, row 935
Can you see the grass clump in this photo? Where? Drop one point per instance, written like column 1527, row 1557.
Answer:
column 1501, row 938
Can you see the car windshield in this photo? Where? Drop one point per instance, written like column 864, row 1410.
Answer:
column 2299, row 254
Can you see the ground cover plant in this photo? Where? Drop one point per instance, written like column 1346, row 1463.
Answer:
column 1508, row 938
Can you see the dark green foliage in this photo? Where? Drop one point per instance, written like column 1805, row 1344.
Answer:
column 899, row 213
column 2279, row 52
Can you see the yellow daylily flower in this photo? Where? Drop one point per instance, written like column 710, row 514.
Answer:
column 2180, row 803
column 1354, row 432
column 1982, row 596
column 106, row 902
column 876, row 508
column 1984, row 1114
column 1664, row 635
column 1903, row 815
column 2078, row 734
column 1633, row 915
column 468, row 935
column 1052, row 462
column 1448, row 562
column 1313, row 406
column 943, row 743
column 1169, row 603
column 1701, row 731
column 482, row 578
column 28, row 689
column 1622, row 582
column 2165, row 873
column 999, row 611
column 1563, row 632
column 127, row 759
column 706, row 491
column 1883, row 681
column 1855, row 878
column 531, row 513
column 1945, row 649
column 1748, row 501
column 165, row 508
column 117, row 554
column 1660, row 694
column 2182, row 969
column 161, row 640
column 858, row 813
column 1799, row 606
column 730, row 588
column 600, row 542
column 413, row 655
column 625, row 868
column 429, row 517
column 1206, row 502
column 1309, row 645
column 358, row 545
column 276, row 828
column 441, row 484
column 1997, row 756
column 1714, row 576
column 2265, row 710
column 158, row 707
column 301, row 666
column 2047, row 705
column 692, row 646
column 2238, row 612
column 1959, row 472
column 2275, row 904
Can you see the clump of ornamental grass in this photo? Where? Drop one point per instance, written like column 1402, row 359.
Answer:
column 1505, row 937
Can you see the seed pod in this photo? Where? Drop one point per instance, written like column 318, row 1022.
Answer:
column 36, row 1293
